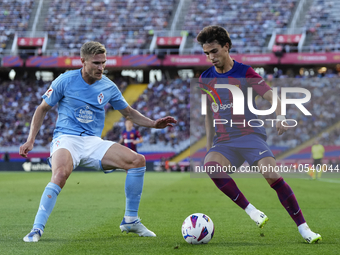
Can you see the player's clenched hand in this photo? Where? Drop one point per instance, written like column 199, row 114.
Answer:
column 25, row 148
column 165, row 122
column 280, row 128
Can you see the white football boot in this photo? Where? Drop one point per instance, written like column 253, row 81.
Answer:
column 34, row 235
column 136, row 227
column 259, row 217
column 308, row 234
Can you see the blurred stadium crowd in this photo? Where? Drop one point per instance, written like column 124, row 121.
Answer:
column 14, row 17
column 122, row 25
column 323, row 25
column 127, row 26
column 251, row 22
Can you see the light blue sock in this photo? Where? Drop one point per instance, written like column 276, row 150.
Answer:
column 133, row 190
column 47, row 202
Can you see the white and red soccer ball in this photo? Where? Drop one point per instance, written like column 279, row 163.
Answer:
column 198, row 228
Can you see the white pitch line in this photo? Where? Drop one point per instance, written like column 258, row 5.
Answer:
column 328, row 180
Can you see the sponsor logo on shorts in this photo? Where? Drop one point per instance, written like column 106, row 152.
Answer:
column 261, row 152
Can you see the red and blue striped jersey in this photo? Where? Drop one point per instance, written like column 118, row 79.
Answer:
column 129, row 137
column 242, row 76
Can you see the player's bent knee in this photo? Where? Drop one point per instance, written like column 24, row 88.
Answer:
column 60, row 175
column 139, row 161
column 273, row 179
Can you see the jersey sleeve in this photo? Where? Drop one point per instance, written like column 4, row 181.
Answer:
column 55, row 92
column 117, row 100
column 256, row 82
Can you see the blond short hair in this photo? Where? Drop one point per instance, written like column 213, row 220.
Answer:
column 92, row 48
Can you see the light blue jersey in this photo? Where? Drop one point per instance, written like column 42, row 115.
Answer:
column 81, row 106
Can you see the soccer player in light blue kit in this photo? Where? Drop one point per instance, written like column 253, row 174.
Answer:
column 82, row 95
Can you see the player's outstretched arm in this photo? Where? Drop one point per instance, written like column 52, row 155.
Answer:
column 279, row 127
column 36, row 123
column 141, row 120
column 165, row 122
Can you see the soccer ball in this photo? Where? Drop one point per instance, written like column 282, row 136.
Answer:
column 198, row 228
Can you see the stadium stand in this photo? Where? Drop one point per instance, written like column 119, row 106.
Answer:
column 323, row 26
column 19, row 98
column 14, row 17
column 249, row 24
column 331, row 138
column 127, row 27
column 124, row 26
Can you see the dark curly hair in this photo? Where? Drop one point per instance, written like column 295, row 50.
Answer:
column 214, row 33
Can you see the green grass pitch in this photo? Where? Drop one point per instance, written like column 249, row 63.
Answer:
column 90, row 208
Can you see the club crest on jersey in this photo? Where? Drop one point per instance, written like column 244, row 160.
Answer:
column 100, row 98
column 49, row 92
column 214, row 107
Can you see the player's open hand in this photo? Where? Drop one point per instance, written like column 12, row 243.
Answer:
column 25, row 148
column 280, row 128
column 165, row 122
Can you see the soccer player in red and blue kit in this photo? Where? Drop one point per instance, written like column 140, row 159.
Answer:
column 130, row 136
column 231, row 144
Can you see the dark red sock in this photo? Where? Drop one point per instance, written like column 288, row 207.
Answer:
column 288, row 200
column 226, row 184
